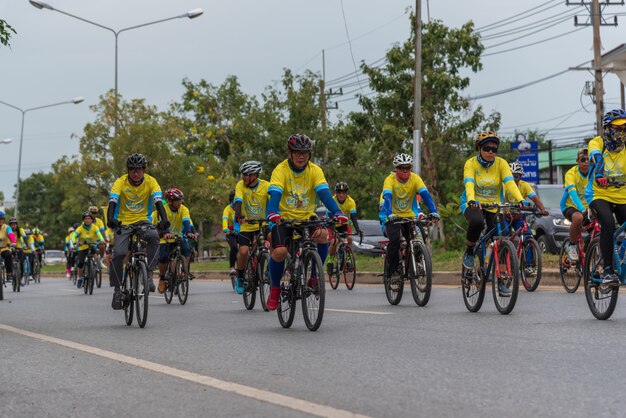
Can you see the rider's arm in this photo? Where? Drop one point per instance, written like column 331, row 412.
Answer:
column 11, row 235
column 162, row 214
column 428, row 199
column 469, row 180
column 225, row 218
column 111, row 210
column 596, row 164
column 570, row 189
column 355, row 222
column 237, row 204
column 100, row 236
column 327, row 199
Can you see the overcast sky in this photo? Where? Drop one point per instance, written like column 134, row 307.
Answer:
column 54, row 58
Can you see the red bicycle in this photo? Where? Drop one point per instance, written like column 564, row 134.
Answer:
column 572, row 271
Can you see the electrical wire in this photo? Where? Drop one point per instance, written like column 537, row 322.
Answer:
column 503, row 22
column 546, row 23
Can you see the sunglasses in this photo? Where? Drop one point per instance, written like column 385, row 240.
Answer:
column 404, row 169
column 583, row 159
column 487, row 148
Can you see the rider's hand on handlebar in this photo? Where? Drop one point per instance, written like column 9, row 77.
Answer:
column 192, row 236
column 602, row 181
column 114, row 224
column 435, row 217
column 240, row 219
column 341, row 218
column 473, row 204
column 524, row 204
column 392, row 217
column 274, row 217
column 168, row 236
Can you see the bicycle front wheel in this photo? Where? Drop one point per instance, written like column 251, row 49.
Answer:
column 168, row 294
column 87, row 276
column 99, row 277
column 505, row 283
column 129, row 296
column 314, row 291
column 348, row 267
column 250, row 283
column 2, row 278
column 421, row 274
column 473, row 285
column 393, row 287
column 142, row 292
column 17, row 274
column 570, row 272
column 530, row 265
column 287, row 307
column 92, row 278
column 264, row 279
column 601, row 298
column 182, row 276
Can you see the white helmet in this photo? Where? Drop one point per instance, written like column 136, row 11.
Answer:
column 250, row 167
column 402, row 159
column 516, row 168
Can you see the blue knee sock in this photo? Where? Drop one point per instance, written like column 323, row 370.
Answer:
column 276, row 271
column 322, row 250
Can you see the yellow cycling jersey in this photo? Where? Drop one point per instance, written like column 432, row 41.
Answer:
column 524, row 188
column 253, row 202
column 614, row 167
column 404, row 195
column 176, row 218
column 86, row 235
column 228, row 217
column 5, row 230
column 484, row 184
column 25, row 242
column 135, row 203
column 101, row 227
column 348, row 207
column 39, row 241
column 298, row 190
column 574, row 179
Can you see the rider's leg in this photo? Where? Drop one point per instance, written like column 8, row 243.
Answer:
column 120, row 249
column 394, row 232
column 604, row 214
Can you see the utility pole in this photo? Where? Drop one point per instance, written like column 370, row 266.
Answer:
column 597, row 20
column 325, row 108
column 417, row 92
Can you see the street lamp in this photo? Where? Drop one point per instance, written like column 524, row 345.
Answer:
column 6, row 141
column 192, row 14
column 75, row 100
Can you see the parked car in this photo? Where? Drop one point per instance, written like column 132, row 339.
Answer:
column 53, row 257
column 550, row 231
column 372, row 235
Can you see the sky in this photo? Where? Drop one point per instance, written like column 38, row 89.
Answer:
column 54, row 58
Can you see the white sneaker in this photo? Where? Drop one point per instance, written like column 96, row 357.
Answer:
column 572, row 253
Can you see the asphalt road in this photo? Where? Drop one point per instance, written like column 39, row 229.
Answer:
column 63, row 353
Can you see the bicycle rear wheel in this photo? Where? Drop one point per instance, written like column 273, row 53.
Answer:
column 287, row 307
column 25, row 272
column 508, row 276
column 142, row 292
column 314, row 292
column 87, row 276
column 530, row 265
column 36, row 270
column 250, row 283
column 129, row 295
column 171, row 283
column 570, row 273
column 2, row 278
column 421, row 274
column 393, row 289
column 182, row 276
column 17, row 274
column 264, row 279
column 92, row 278
column 99, row 276
column 601, row 298
column 348, row 267
column 473, row 285
column 334, row 272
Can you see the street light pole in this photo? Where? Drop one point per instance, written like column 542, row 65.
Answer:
column 192, row 14
column 75, row 100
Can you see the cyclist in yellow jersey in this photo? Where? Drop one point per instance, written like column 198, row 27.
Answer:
column 250, row 202
column 400, row 190
column 29, row 251
column 68, row 252
column 231, row 229
column 485, row 176
column 527, row 193
column 573, row 203
column 608, row 162
column 180, row 219
column 293, row 187
column 131, row 202
column 346, row 205
column 86, row 235
column 21, row 240
column 103, row 230
column 7, row 241
column 40, row 244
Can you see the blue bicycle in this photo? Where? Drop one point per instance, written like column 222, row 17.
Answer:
column 602, row 297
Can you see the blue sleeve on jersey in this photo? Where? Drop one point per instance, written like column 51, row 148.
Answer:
column 596, row 165
column 186, row 226
column 576, row 200
column 272, row 205
column 327, row 199
column 386, row 209
column 428, row 199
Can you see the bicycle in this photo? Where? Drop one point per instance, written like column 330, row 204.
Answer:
column 233, row 273
column 602, row 298
column 177, row 274
column 36, row 269
column 346, row 262
column 257, row 274
column 3, row 276
column 26, row 273
column 503, row 272
column 528, row 253
column 136, row 284
column 414, row 264
column 17, row 271
column 571, row 272
column 299, row 280
column 89, row 270
column 98, row 268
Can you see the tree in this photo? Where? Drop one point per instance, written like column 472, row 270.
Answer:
column 5, row 32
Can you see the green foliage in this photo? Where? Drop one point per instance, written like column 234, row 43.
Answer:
column 5, row 32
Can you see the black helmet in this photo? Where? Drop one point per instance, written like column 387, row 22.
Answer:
column 299, row 142
column 136, row 161
column 231, row 196
column 87, row 215
column 341, row 186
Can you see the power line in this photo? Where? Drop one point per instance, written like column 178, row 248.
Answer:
column 502, row 22
column 547, row 23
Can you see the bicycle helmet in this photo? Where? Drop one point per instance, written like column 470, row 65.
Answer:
column 614, row 140
column 174, row 194
column 12, row 220
column 27, row 231
column 87, row 215
column 484, row 137
column 402, row 159
column 299, row 142
column 70, row 229
column 36, row 231
column 93, row 209
column 136, row 161
column 2, row 214
column 250, row 167
column 516, row 168
column 341, row 186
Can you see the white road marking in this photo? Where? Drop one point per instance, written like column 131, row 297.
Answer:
column 358, row 312
column 236, row 388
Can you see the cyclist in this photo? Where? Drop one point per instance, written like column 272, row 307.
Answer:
column 84, row 236
column 400, row 190
column 231, row 228
column 250, row 202
column 21, row 240
column 7, row 240
column 102, row 228
column 485, row 175
column 180, row 219
column 69, row 252
column 573, row 203
column 131, row 201
column 608, row 160
column 294, row 184
column 39, row 242
column 347, row 205
column 29, row 251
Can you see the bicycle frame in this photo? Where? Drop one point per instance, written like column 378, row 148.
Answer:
column 495, row 235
